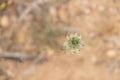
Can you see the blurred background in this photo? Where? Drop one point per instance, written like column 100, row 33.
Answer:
column 33, row 31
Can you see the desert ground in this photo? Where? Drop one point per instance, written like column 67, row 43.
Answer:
column 33, row 31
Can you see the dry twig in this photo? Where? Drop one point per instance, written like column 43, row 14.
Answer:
column 30, row 7
column 20, row 56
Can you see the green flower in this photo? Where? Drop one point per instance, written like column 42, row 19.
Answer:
column 75, row 51
column 74, row 43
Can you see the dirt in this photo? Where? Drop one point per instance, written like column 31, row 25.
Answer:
column 96, row 20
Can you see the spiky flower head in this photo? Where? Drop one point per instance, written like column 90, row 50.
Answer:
column 74, row 43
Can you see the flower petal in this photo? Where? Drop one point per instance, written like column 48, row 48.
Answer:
column 70, row 36
column 77, row 35
column 81, row 45
column 66, row 45
column 75, row 51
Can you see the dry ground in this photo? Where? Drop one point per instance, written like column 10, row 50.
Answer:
column 97, row 20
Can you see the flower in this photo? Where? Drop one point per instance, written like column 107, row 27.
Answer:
column 73, row 43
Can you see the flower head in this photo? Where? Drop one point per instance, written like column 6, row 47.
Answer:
column 73, row 43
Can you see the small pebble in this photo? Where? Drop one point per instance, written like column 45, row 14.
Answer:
column 87, row 11
column 94, row 59
column 53, row 11
column 92, row 35
column 4, row 22
column 111, row 53
column 101, row 8
column 50, row 52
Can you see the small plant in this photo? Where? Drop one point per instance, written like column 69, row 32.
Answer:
column 74, row 43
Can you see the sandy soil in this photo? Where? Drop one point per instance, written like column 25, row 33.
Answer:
column 97, row 20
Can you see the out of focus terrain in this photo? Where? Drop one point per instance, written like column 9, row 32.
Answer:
column 36, row 29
